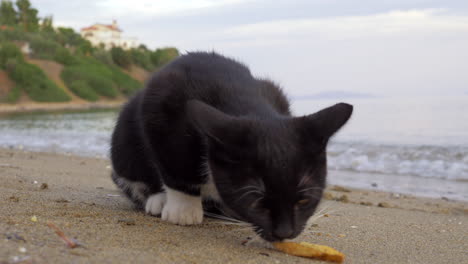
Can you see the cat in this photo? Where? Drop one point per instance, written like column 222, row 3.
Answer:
column 204, row 129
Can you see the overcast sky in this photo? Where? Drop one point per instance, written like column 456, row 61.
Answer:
column 385, row 47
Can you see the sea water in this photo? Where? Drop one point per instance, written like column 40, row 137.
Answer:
column 406, row 145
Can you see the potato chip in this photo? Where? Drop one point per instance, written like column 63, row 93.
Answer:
column 309, row 250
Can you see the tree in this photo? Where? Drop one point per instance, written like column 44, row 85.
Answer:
column 84, row 47
column 141, row 57
column 121, row 57
column 163, row 56
column 47, row 24
column 68, row 36
column 27, row 16
column 9, row 51
column 7, row 13
column 143, row 47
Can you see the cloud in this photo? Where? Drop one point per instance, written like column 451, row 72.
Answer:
column 157, row 7
column 379, row 47
column 394, row 23
column 79, row 13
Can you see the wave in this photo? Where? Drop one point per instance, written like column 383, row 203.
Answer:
column 89, row 134
column 449, row 163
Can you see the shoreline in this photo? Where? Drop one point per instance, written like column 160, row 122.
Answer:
column 422, row 187
column 67, row 106
column 77, row 195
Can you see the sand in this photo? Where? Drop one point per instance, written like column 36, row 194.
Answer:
column 77, row 195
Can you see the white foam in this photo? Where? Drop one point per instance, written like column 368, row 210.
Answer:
column 425, row 161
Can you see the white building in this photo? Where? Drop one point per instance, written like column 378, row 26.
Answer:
column 107, row 35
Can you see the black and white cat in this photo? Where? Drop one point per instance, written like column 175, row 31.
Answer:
column 204, row 129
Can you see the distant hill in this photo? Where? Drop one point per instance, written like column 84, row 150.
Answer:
column 43, row 63
column 334, row 95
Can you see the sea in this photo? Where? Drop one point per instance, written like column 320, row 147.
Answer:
column 410, row 145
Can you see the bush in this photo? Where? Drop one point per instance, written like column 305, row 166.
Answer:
column 84, row 47
column 11, row 64
column 126, row 84
column 83, row 90
column 28, row 77
column 92, row 67
column 43, row 48
column 13, row 95
column 9, row 51
column 98, row 77
column 142, row 58
column 67, row 36
column 35, row 83
column 103, row 56
column 163, row 56
column 11, row 35
column 64, row 57
column 102, row 86
column 121, row 57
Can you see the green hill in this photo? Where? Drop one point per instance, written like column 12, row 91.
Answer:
column 91, row 73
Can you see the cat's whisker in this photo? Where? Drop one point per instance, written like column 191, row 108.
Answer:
column 249, row 227
column 309, row 189
column 246, row 226
column 226, row 218
column 249, row 192
column 316, row 216
column 324, row 208
column 258, row 199
column 313, row 196
column 247, row 187
column 229, row 222
column 328, row 210
column 306, row 178
column 241, row 229
column 255, row 238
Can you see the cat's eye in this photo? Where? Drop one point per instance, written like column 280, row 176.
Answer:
column 303, row 202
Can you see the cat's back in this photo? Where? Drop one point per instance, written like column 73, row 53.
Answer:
column 217, row 80
column 210, row 64
column 205, row 71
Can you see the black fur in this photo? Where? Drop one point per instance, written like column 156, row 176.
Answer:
column 269, row 168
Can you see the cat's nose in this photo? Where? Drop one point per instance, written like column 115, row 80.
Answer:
column 283, row 232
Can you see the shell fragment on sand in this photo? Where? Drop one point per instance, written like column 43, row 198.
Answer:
column 309, row 250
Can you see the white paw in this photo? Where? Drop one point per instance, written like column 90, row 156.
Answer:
column 155, row 203
column 182, row 209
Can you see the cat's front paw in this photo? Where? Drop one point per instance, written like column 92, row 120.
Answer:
column 155, row 203
column 182, row 209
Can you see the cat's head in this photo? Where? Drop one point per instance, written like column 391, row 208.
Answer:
column 271, row 172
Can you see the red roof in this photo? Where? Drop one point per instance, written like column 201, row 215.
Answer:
column 95, row 27
column 5, row 27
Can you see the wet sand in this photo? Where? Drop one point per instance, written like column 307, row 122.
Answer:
column 77, row 195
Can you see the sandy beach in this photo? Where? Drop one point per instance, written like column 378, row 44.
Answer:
column 76, row 195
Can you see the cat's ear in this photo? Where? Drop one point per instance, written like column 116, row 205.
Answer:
column 210, row 121
column 323, row 124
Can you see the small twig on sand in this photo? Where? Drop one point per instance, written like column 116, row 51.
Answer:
column 70, row 243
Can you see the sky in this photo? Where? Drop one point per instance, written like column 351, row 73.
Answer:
column 384, row 48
